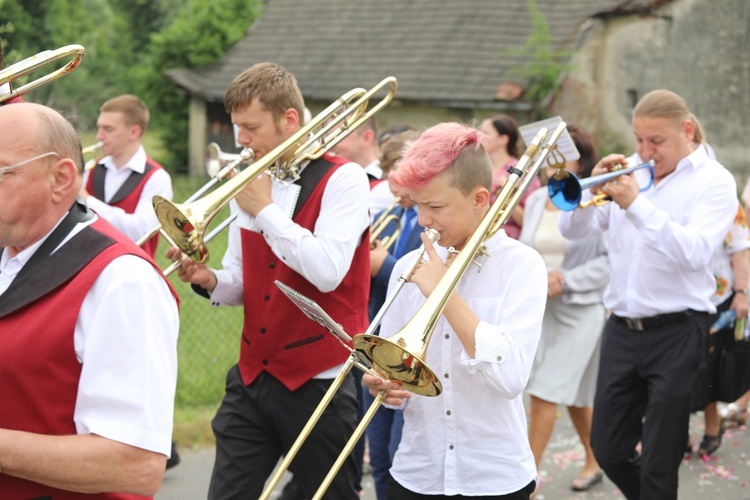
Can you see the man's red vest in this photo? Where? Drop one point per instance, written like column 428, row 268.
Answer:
column 38, row 364
column 130, row 201
column 277, row 337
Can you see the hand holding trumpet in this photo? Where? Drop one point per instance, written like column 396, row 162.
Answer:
column 624, row 189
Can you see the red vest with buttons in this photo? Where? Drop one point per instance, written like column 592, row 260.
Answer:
column 38, row 365
column 277, row 337
column 130, row 202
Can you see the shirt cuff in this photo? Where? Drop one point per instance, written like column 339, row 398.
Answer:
column 639, row 211
column 223, row 291
column 272, row 220
column 488, row 347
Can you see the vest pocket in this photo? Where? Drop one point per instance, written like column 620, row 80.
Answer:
column 300, row 343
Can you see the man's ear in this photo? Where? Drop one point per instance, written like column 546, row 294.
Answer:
column 65, row 178
column 136, row 132
column 290, row 121
column 688, row 129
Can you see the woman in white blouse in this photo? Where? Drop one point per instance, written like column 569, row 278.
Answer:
column 567, row 359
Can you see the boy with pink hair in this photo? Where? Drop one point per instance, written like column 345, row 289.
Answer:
column 470, row 441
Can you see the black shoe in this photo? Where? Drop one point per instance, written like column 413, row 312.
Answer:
column 710, row 444
column 175, row 458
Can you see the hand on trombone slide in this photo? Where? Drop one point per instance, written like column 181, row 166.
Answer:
column 256, row 195
column 191, row 271
column 624, row 189
column 396, row 395
column 430, row 270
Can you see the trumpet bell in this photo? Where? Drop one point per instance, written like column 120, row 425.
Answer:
column 398, row 362
column 565, row 189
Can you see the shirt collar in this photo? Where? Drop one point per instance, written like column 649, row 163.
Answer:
column 374, row 169
column 137, row 163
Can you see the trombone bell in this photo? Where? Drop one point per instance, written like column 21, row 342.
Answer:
column 397, row 362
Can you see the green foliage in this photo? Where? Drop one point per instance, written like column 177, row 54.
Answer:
column 129, row 46
column 541, row 67
column 200, row 34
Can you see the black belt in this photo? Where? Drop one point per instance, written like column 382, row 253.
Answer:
column 651, row 322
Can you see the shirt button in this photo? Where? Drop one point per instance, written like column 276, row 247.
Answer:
column 265, row 362
column 448, row 412
column 446, row 375
column 271, row 265
column 450, row 447
column 262, row 330
column 499, row 358
column 447, row 336
column 267, row 297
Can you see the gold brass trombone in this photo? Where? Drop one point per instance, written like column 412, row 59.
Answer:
column 186, row 224
column 565, row 189
column 213, row 152
column 381, row 223
column 401, row 356
column 37, row 61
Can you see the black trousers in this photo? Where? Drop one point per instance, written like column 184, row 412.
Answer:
column 643, row 393
column 256, row 424
column 398, row 492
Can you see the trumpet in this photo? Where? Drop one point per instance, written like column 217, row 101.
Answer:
column 33, row 63
column 382, row 222
column 565, row 189
column 186, row 224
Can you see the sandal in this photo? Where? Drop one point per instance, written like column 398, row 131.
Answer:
column 710, row 444
column 733, row 413
column 585, row 483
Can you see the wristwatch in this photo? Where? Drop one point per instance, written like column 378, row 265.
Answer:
column 746, row 291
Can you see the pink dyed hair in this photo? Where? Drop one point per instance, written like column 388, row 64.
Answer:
column 438, row 149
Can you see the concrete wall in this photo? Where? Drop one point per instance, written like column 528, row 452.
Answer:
column 700, row 50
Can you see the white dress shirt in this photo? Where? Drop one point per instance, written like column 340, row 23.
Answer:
column 661, row 248
column 126, row 341
column 472, row 438
column 143, row 220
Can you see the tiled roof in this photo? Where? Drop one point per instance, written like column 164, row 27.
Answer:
column 440, row 50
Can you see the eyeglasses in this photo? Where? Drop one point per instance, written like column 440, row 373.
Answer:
column 21, row 164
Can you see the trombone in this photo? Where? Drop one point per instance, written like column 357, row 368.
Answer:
column 37, row 61
column 382, row 222
column 185, row 224
column 401, row 356
column 214, row 157
column 565, row 188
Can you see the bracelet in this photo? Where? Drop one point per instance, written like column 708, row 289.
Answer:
column 745, row 291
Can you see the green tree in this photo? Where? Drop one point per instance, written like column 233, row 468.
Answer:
column 200, row 34
column 542, row 68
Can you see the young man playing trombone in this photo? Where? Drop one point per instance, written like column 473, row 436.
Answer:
column 312, row 235
column 470, row 440
column 122, row 184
